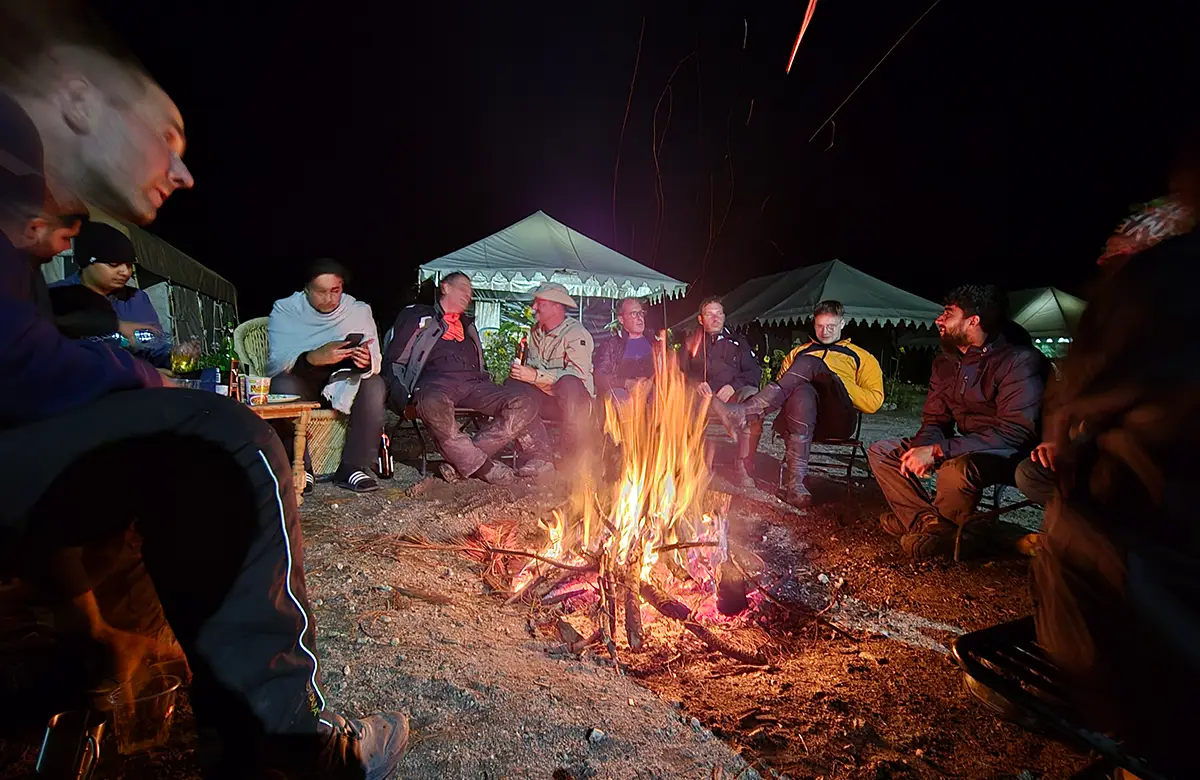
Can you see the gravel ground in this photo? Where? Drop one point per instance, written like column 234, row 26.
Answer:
column 493, row 693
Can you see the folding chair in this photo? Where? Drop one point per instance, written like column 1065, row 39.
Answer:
column 854, row 451
column 987, row 512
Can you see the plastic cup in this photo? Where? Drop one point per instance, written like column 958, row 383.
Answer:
column 255, row 389
column 141, row 717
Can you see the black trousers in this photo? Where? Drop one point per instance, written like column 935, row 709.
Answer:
column 214, row 504
column 511, row 408
column 817, row 402
column 366, row 418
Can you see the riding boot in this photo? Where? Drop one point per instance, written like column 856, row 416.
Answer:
column 747, row 446
column 736, row 417
column 795, row 465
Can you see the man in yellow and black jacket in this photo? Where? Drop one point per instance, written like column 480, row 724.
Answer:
column 822, row 387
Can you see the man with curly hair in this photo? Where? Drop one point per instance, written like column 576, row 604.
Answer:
column 981, row 418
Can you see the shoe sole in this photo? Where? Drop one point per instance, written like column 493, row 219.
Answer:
column 353, row 489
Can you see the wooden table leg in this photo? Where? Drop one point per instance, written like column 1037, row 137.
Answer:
column 301, row 441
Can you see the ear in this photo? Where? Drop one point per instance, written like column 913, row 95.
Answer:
column 35, row 229
column 80, row 103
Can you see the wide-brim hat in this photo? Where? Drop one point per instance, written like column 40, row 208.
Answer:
column 553, row 291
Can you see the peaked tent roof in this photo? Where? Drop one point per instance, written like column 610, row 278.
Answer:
column 1046, row 312
column 790, row 297
column 539, row 249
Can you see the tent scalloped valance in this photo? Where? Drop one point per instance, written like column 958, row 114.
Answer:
column 590, row 287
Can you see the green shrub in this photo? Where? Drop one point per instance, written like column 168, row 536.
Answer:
column 500, row 346
column 907, row 396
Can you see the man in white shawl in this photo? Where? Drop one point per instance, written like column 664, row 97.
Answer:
column 324, row 346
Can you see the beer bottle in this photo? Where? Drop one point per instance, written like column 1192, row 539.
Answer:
column 384, row 466
column 522, row 350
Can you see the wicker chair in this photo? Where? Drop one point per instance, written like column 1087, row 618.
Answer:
column 326, row 427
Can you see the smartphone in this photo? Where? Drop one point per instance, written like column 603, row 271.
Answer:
column 354, row 339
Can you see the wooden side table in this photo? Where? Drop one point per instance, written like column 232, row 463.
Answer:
column 298, row 411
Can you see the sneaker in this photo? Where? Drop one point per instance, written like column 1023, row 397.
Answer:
column 892, row 525
column 369, row 748
column 310, row 482
column 535, row 468
column 358, row 481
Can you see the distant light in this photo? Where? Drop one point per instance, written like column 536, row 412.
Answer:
column 1064, row 341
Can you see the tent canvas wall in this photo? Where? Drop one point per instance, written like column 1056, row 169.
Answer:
column 1049, row 315
column 789, row 297
column 510, row 263
column 192, row 301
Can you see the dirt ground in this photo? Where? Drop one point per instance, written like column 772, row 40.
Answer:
column 494, row 693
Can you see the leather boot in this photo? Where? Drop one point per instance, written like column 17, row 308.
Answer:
column 747, row 446
column 795, row 470
column 735, row 417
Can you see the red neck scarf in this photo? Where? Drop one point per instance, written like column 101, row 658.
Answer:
column 454, row 328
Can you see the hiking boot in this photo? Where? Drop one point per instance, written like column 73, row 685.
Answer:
column 494, row 472
column 795, row 470
column 931, row 536
column 369, row 748
column 743, row 464
column 448, row 472
column 535, row 468
column 357, row 481
column 891, row 524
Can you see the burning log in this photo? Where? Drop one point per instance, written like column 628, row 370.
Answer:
column 731, row 590
column 679, row 611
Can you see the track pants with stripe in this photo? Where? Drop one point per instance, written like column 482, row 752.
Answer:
column 210, row 490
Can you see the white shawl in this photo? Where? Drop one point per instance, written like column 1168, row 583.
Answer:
column 295, row 327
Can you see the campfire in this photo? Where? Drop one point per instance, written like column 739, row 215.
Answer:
column 656, row 540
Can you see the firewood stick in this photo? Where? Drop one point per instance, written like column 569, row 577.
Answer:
column 578, row 647
column 674, row 609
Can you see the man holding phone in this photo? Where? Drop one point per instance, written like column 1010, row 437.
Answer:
column 324, row 346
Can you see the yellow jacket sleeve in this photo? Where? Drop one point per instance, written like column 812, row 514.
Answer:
column 868, row 395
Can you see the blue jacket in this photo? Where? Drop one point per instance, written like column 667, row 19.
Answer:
column 43, row 373
column 133, row 305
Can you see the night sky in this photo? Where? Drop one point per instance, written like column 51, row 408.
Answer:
column 999, row 142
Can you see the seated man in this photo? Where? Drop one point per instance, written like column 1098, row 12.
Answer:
column 627, row 356
column 980, row 419
column 822, row 387
column 324, row 345
column 105, row 257
column 559, row 365
column 719, row 361
column 75, row 407
column 435, row 359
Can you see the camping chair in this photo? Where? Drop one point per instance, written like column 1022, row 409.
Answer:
column 987, row 512
column 326, row 427
column 1006, row 669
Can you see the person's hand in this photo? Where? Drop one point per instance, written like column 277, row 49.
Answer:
column 127, row 329
column 725, row 393
column 919, row 461
column 1045, row 454
column 523, row 373
column 331, row 354
column 704, row 390
column 361, row 355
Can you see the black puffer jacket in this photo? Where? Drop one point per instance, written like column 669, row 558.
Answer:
column 721, row 359
column 988, row 399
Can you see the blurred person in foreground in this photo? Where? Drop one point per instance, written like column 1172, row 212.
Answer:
column 981, row 417
column 1117, row 599
column 112, row 137
column 822, row 386
column 311, row 356
column 98, row 301
column 436, row 362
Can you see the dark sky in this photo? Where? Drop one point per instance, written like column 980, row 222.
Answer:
column 999, row 142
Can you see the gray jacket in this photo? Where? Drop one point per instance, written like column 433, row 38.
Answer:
column 418, row 328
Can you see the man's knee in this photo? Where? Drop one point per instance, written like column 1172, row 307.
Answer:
column 801, row 404
column 744, row 393
column 1035, row 481
column 572, row 393
column 885, row 452
column 961, row 473
column 521, row 406
column 433, row 407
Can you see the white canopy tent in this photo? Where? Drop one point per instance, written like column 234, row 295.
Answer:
column 539, row 249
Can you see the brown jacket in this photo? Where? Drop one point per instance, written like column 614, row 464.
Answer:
column 564, row 351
